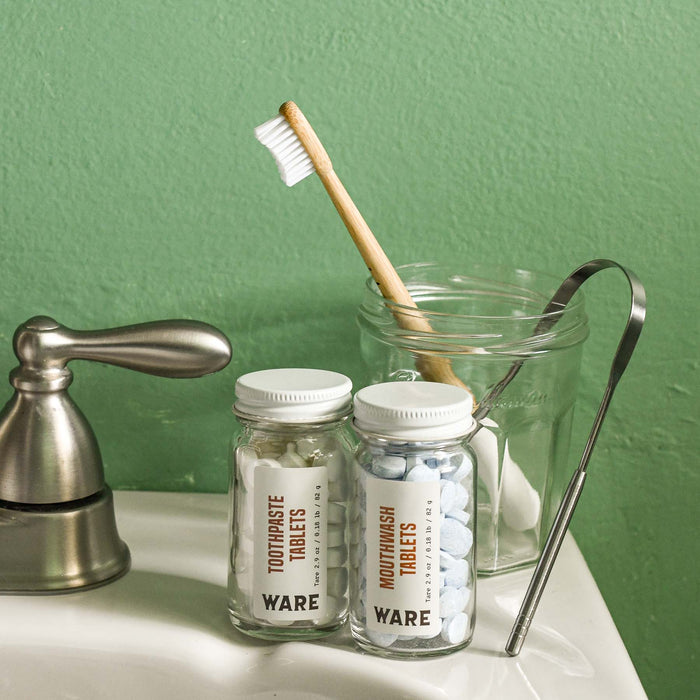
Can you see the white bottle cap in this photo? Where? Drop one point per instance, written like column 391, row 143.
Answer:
column 414, row 410
column 294, row 395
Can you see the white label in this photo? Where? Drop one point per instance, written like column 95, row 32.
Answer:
column 289, row 549
column 403, row 557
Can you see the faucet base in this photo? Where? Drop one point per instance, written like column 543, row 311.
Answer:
column 62, row 547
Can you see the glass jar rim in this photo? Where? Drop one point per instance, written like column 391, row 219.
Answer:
column 522, row 294
column 417, row 443
column 275, row 422
column 574, row 305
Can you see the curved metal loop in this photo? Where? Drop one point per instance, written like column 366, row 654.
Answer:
column 561, row 298
column 566, row 510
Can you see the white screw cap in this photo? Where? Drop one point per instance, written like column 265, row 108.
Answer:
column 414, row 410
column 295, row 395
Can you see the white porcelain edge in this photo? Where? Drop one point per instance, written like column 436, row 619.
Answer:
column 171, row 609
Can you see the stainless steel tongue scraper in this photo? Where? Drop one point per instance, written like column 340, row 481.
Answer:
column 573, row 491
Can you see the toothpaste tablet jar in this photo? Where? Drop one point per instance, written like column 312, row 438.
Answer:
column 290, row 480
column 412, row 565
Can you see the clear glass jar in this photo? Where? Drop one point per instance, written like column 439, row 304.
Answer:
column 483, row 320
column 412, row 564
column 290, row 481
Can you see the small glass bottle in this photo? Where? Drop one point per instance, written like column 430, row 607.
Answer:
column 290, row 481
column 412, row 576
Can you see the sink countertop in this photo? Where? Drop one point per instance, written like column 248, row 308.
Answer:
column 163, row 631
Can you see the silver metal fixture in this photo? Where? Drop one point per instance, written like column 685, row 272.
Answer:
column 622, row 357
column 57, row 524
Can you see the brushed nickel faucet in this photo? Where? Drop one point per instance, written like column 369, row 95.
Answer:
column 57, row 524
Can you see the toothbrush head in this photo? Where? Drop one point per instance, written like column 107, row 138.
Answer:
column 294, row 145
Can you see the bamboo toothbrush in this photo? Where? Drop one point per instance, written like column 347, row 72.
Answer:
column 298, row 153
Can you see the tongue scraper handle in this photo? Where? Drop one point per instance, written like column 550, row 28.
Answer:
column 566, row 510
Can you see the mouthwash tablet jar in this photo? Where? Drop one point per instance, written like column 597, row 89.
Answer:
column 290, row 479
column 412, row 574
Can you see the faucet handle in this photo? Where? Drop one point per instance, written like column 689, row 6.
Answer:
column 48, row 451
column 175, row 348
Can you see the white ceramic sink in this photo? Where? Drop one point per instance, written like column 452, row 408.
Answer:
column 162, row 631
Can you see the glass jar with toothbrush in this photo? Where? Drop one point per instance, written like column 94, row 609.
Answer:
column 290, row 479
column 484, row 319
column 412, row 565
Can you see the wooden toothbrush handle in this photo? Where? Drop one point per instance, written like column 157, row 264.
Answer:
column 390, row 284
column 432, row 367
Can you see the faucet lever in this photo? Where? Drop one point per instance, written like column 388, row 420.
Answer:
column 176, row 348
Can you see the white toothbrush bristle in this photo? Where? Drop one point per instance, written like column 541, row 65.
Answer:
column 291, row 157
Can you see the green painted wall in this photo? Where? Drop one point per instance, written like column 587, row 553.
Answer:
column 532, row 134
